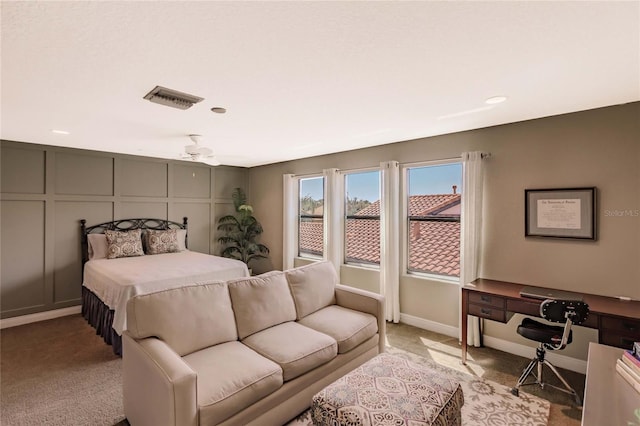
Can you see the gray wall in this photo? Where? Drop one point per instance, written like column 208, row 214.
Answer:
column 598, row 147
column 47, row 190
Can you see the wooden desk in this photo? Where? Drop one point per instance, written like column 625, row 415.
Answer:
column 617, row 321
column 608, row 398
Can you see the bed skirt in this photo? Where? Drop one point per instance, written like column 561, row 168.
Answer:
column 100, row 317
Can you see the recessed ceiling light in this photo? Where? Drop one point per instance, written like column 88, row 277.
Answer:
column 219, row 110
column 60, row 132
column 495, row 100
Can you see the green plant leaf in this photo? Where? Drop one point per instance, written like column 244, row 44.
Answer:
column 241, row 232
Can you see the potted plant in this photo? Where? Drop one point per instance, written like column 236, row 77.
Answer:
column 241, row 232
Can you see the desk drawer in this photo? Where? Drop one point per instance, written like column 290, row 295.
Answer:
column 522, row 307
column 627, row 327
column 620, row 332
column 481, row 311
column 617, row 340
column 487, row 300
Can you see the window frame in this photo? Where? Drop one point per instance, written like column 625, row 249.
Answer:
column 344, row 173
column 404, row 196
column 299, row 179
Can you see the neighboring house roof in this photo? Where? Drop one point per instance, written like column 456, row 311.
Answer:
column 434, row 245
column 363, row 240
column 311, row 236
column 419, row 205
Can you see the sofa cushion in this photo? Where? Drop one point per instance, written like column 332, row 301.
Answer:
column 231, row 377
column 261, row 302
column 312, row 287
column 296, row 348
column 348, row 327
column 162, row 314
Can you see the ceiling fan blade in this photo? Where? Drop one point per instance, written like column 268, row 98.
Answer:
column 205, row 152
column 192, row 149
column 211, row 160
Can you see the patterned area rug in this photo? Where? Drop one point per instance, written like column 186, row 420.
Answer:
column 486, row 403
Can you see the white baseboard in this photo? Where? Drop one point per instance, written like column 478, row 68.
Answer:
column 425, row 324
column 556, row 359
column 40, row 316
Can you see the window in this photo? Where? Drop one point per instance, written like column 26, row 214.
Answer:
column 311, row 217
column 362, row 218
column 433, row 219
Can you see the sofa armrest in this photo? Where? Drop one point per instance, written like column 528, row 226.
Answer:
column 159, row 388
column 364, row 301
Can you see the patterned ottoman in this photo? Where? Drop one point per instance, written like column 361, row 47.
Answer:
column 389, row 390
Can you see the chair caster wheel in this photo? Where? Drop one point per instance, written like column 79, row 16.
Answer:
column 515, row 391
column 578, row 402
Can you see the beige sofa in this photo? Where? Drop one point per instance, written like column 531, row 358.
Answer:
column 247, row 351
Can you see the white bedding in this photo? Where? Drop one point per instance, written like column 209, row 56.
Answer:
column 115, row 281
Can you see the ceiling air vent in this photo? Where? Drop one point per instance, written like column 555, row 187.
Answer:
column 173, row 98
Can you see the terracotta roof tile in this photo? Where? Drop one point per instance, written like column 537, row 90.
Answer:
column 311, row 237
column 423, row 205
column 434, row 246
column 419, row 205
column 363, row 240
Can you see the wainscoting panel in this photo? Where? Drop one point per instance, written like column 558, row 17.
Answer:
column 82, row 174
column 132, row 209
column 22, row 171
column 143, row 178
column 191, row 181
column 199, row 231
column 23, row 240
column 67, row 275
column 227, row 179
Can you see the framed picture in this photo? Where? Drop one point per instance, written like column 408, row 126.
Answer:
column 560, row 213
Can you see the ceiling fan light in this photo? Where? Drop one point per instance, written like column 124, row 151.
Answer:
column 495, row 100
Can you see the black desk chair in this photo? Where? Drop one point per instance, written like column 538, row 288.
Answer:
column 551, row 338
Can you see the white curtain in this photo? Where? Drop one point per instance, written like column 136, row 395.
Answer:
column 289, row 220
column 333, row 206
column 471, row 231
column 390, row 240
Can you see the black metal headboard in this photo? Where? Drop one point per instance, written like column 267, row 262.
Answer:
column 125, row 225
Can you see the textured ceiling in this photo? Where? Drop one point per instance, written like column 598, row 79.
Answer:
column 304, row 78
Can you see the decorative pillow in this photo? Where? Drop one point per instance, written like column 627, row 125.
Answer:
column 312, row 286
column 98, row 247
column 161, row 314
column 159, row 242
column 182, row 239
column 261, row 302
column 124, row 244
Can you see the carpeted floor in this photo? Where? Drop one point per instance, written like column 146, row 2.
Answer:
column 58, row 372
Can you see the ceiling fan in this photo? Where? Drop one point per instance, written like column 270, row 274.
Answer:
column 199, row 153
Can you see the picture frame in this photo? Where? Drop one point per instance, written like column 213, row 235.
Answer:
column 561, row 213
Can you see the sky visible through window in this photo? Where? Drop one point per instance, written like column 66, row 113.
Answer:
column 424, row 180
column 364, row 186
column 312, row 187
column 436, row 179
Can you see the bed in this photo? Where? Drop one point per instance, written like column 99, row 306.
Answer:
column 126, row 257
